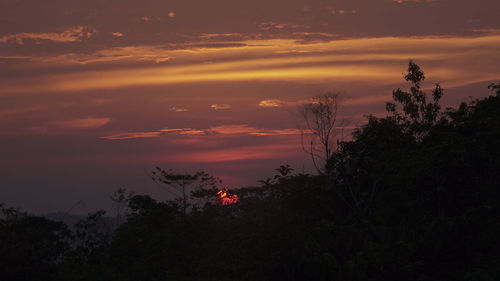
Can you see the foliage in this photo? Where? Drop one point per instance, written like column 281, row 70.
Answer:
column 418, row 114
column 120, row 199
column 31, row 247
column 495, row 87
column 86, row 258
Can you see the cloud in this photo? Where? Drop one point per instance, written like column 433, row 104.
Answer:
column 167, row 130
column 239, row 129
column 251, row 131
column 132, row 135
column 73, row 34
column 376, row 61
column 183, row 131
column 236, row 154
column 347, row 101
column 222, row 106
column 271, row 103
column 192, row 132
column 277, row 26
column 223, row 36
column 222, row 130
column 177, row 109
column 277, row 132
column 129, row 53
column 81, row 123
column 233, row 130
column 486, row 31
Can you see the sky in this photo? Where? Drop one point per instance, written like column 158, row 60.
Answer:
column 94, row 94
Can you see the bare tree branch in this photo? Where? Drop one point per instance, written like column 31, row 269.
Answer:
column 320, row 117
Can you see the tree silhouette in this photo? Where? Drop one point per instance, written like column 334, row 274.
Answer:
column 184, row 183
column 31, row 247
column 320, row 117
column 495, row 87
column 418, row 113
column 120, row 199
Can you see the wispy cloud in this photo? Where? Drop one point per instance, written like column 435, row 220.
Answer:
column 271, row 103
column 223, row 130
column 220, row 106
column 248, row 130
column 223, row 36
column 116, row 54
column 81, row 123
column 344, row 101
column 277, row 26
column 374, row 60
column 236, row 154
column 132, row 135
column 340, row 11
column 178, row 109
column 192, row 132
column 73, row 34
column 168, row 130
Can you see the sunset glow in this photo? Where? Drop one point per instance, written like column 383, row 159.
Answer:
column 92, row 97
column 275, row 60
column 225, row 198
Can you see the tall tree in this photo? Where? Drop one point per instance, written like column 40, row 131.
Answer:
column 120, row 199
column 418, row 113
column 184, row 183
column 320, row 118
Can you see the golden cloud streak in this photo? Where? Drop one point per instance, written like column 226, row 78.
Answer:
column 348, row 101
column 73, row 34
column 222, row 106
column 223, row 130
column 371, row 60
column 132, row 135
column 271, row 103
column 174, row 75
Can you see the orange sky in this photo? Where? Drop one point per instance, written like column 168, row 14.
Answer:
column 95, row 94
